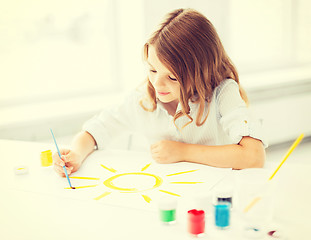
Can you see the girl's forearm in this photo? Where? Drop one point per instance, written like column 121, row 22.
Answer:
column 84, row 144
column 249, row 153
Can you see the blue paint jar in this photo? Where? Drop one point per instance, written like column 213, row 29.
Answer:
column 222, row 215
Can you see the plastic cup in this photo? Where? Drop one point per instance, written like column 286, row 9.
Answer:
column 255, row 203
column 222, row 215
column 196, row 222
column 46, row 158
column 167, row 211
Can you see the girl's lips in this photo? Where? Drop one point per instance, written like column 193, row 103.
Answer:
column 163, row 93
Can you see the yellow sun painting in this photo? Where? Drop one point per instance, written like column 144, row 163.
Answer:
column 156, row 180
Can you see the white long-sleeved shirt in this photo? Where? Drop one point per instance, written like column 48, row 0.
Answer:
column 229, row 119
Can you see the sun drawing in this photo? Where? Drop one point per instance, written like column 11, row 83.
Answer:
column 156, row 183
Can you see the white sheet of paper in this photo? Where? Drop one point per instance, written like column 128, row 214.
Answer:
column 46, row 181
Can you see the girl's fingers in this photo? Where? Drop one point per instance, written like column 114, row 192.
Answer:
column 65, row 159
column 154, row 151
column 57, row 160
column 64, row 151
column 59, row 163
column 69, row 170
column 59, row 171
column 154, row 147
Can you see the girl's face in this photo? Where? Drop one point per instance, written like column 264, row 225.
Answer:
column 164, row 82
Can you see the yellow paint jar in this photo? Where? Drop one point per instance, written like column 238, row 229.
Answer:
column 46, row 158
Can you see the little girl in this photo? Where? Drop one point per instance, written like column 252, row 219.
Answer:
column 192, row 107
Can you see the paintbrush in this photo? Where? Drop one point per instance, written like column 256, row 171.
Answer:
column 64, row 167
column 290, row 150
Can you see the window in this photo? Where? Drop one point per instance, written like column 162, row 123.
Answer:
column 266, row 35
column 302, row 30
column 56, row 49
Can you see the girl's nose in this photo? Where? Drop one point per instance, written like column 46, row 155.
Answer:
column 159, row 81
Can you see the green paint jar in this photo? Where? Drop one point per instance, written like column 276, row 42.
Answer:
column 168, row 216
column 167, row 211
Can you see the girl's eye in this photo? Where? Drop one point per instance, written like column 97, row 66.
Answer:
column 173, row 79
column 153, row 71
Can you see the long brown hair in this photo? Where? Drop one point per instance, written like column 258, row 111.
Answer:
column 188, row 45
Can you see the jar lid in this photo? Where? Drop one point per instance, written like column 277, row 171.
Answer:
column 196, row 215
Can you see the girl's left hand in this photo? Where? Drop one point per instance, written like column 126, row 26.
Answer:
column 166, row 151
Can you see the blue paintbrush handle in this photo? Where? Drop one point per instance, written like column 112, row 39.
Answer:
column 60, row 156
column 55, row 144
column 65, row 170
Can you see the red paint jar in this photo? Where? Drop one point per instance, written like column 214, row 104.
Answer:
column 196, row 222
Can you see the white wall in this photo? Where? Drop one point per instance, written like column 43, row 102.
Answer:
column 281, row 96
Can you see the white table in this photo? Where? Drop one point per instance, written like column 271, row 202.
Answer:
column 38, row 215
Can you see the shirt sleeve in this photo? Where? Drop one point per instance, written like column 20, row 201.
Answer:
column 112, row 122
column 236, row 118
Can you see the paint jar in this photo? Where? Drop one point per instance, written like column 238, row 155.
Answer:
column 46, row 158
column 167, row 211
column 196, row 222
column 222, row 215
column 21, row 169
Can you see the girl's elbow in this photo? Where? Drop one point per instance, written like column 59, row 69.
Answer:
column 254, row 154
column 258, row 163
column 257, row 158
column 251, row 160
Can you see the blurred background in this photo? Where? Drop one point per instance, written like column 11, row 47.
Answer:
column 62, row 61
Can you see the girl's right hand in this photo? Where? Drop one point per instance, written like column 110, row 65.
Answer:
column 70, row 159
